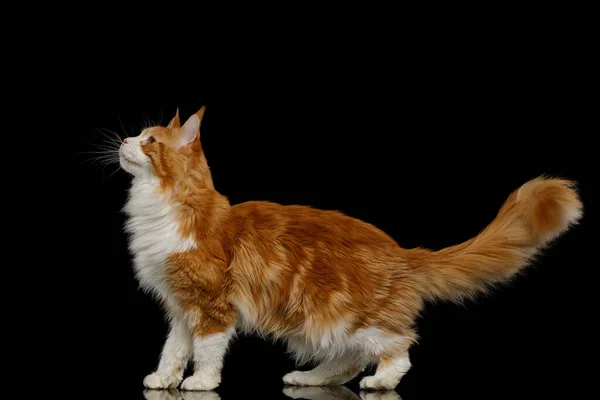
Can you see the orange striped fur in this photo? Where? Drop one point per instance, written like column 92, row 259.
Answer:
column 338, row 290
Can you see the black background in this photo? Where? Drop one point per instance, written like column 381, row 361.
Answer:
column 424, row 136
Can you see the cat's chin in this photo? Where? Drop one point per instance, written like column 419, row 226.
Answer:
column 130, row 166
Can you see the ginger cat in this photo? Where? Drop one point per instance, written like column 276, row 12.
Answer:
column 336, row 289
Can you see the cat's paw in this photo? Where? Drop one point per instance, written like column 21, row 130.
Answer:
column 301, row 378
column 373, row 382
column 159, row 381
column 196, row 383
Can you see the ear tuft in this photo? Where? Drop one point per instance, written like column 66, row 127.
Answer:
column 175, row 123
column 200, row 112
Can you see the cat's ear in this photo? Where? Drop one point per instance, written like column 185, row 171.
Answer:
column 175, row 123
column 190, row 131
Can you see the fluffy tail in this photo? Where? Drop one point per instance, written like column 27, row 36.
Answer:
column 529, row 220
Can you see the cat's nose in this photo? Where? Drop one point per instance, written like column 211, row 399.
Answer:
column 124, row 141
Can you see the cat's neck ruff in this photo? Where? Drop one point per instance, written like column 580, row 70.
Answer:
column 154, row 233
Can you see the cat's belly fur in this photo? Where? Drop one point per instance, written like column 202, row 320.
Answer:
column 320, row 317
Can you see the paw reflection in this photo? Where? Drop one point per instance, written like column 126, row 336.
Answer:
column 174, row 394
column 336, row 393
column 162, row 394
column 320, row 393
column 380, row 395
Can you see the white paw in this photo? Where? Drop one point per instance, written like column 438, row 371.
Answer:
column 383, row 395
column 373, row 382
column 158, row 381
column 194, row 383
column 301, row 378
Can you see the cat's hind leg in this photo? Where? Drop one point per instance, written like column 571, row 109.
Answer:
column 335, row 372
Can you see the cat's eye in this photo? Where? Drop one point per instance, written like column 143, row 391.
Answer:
column 151, row 139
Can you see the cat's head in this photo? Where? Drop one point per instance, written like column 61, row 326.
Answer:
column 168, row 153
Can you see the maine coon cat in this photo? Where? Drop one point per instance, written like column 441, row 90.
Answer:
column 337, row 290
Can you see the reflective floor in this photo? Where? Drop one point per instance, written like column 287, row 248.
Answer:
column 310, row 393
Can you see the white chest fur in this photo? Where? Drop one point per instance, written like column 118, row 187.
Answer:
column 154, row 234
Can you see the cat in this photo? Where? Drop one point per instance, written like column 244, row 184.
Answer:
column 337, row 290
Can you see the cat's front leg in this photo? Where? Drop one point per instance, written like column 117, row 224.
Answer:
column 176, row 353
column 211, row 339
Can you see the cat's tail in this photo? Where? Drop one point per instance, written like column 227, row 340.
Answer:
column 529, row 220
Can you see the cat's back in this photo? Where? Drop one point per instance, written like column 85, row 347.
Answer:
column 306, row 224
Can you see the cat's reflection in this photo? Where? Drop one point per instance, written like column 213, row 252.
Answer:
column 175, row 394
column 336, row 393
column 294, row 392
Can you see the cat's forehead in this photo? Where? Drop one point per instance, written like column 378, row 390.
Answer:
column 158, row 132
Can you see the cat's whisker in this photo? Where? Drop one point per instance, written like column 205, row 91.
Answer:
column 104, row 131
column 147, row 122
column 103, row 163
column 123, row 127
column 113, row 139
column 101, row 150
column 114, row 172
column 108, row 148
column 161, row 117
column 115, row 135
column 110, row 144
column 155, row 122
column 105, row 152
column 102, row 160
column 108, row 158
